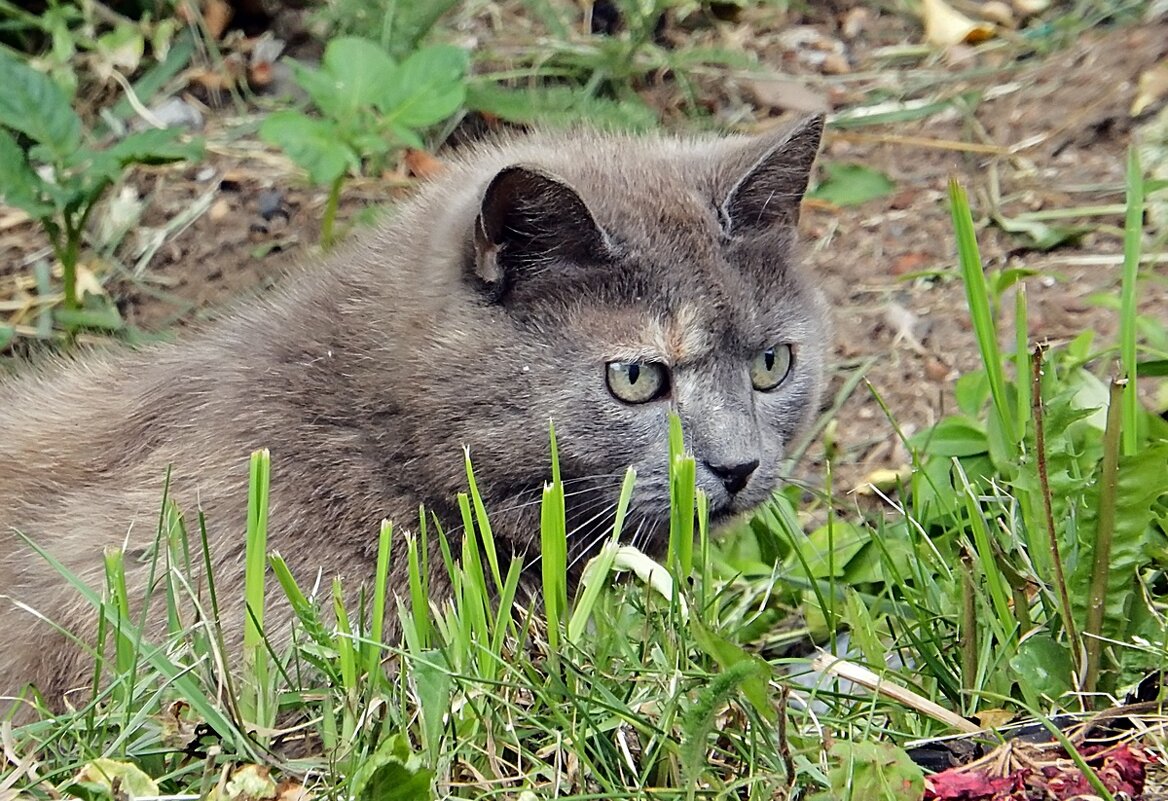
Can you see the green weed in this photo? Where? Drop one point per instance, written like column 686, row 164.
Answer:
column 54, row 169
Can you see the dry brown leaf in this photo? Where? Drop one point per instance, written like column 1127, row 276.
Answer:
column 945, row 26
column 1153, row 88
column 216, row 16
column 422, row 164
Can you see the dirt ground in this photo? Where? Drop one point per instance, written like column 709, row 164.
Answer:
column 1049, row 132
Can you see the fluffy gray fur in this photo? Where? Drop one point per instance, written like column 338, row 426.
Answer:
column 470, row 318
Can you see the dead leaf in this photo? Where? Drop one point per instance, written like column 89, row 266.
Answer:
column 292, row 790
column 884, row 479
column 422, row 164
column 1153, row 88
column 217, row 15
column 946, row 26
column 787, row 95
column 250, row 783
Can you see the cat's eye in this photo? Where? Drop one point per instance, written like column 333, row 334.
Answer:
column 637, row 382
column 770, row 367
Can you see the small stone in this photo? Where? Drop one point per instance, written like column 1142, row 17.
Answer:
column 271, row 204
column 174, row 112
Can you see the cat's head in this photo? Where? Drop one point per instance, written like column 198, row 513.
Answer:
column 620, row 280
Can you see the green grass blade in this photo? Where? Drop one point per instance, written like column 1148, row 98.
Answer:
column 682, row 492
column 256, row 690
column 372, row 644
column 1133, row 228
column 978, row 298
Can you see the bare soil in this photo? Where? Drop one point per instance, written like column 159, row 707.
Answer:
column 1048, row 132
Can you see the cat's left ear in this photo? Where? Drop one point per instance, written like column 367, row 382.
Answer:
column 768, row 190
column 527, row 221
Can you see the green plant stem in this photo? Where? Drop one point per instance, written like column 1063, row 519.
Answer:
column 327, row 224
column 1060, row 578
column 1104, row 533
column 968, row 640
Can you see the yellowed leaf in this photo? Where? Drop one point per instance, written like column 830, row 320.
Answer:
column 1152, row 89
column 994, row 718
column 118, row 779
column 884, row 479
column 945, row 26
column 250, row 783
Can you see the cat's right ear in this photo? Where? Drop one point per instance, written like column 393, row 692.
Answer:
column 528, row 220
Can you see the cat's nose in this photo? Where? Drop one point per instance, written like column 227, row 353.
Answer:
column 733, row 476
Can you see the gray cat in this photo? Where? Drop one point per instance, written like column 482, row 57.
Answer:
column 595, row 280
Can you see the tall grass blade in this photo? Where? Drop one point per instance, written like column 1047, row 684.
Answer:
column 682, row 491
column 1133, row 228
column 978, row 297
column 256, row 691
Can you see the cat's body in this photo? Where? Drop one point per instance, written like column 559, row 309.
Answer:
column 497, row 299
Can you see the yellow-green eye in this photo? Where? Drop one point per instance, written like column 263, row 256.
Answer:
column 637, row 382
column 770, row 367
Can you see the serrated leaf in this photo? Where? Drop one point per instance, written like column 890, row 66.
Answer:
column 34, row 105
column 426, row 88
column 315, row 145
column 1139, row 484
column 851, row 184
column 20, row 186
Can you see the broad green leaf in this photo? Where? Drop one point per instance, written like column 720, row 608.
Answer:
column 20, row 186
column 34, row 105
column 867, row 770
column 321, row 86
column 1138, row 486
column 313, row 144
column 851, row 184
column 155, row 146
column 828, row 549
column 392, row 773
column 411, row 23
column 426, row 88
column 104, row 775
column 1044, row 670
column 104, row 317
column 359, row 70
column 953, row 436
column 432, row 678
column 7, row 335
